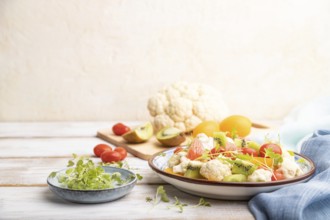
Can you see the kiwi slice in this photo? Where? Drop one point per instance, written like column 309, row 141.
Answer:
column 243, row 167
column 193, row 170
column 239, row 142
column 235, row 178
column 220, row 139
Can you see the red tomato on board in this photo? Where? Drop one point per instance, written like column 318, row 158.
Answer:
column 250, row 151
column 276, row 149
column 195, row 150
column 120, row 129
column 100, row 148
column 111, row 156
column 122, row 152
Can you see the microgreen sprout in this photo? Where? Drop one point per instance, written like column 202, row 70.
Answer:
column 178, row 204
column 161, row 195
column 118, row 164
column 138, row 176
column 202, row 202
column 149, row 199
column 277, row 158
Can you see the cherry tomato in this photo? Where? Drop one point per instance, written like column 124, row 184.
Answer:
column 278, row 175
column 120, row 129
column 195, row 150
column 215, row 152
column 178, row 149
column 111, row 156
column 122, row 151
column 250, row 151
column 100, row 148
column 276, row 149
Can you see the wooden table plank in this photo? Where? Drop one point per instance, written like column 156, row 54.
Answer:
column 47, row 147
column 34, row 171
column 40, row 203
column 54, row 129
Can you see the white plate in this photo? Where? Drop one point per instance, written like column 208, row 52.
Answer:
column 224, row 190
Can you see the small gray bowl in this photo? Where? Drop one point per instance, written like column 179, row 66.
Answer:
column 94, row 196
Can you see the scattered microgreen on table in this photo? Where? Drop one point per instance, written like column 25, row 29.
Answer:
column 161, row 195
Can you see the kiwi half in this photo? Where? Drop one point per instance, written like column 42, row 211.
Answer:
column 170, row 136
column 139, row 134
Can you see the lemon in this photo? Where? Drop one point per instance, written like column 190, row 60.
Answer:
column 236, row 124
column 206, row 127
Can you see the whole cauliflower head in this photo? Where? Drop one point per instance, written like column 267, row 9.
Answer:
column 215, row 170
column 184, row 105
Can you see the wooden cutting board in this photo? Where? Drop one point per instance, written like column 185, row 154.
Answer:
column 142, row 150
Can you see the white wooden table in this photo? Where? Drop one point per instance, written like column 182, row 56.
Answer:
column 29, row 152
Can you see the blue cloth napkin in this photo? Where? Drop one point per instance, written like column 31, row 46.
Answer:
column 310, row 200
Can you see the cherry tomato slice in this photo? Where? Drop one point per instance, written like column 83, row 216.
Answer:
column 111, row 156
column 278, row 175
column 250, row 151
column 276, row 149
column 122, row 151
column 120, row 129
column 215, row 152
column 100, row 148
column 178, row 149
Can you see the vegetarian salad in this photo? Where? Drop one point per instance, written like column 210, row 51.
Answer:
column 225, row 159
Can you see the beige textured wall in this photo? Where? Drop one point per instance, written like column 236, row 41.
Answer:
column 101, row 60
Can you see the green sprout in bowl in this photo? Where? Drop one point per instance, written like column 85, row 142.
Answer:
column 84, row 174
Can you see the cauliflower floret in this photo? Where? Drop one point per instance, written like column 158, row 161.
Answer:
column 157, row 104
column 207, row 141
column 182, row 153
column 260, row 175
column 171, row 92
column 174, row 160
column 191, row 122
column 186, row 105
column 182, row 167
column 215, row 170
column 191, row 91
column 179, row 109
column 180, row 126
column 161, row 121
column 205, row 109
column 290, row 169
